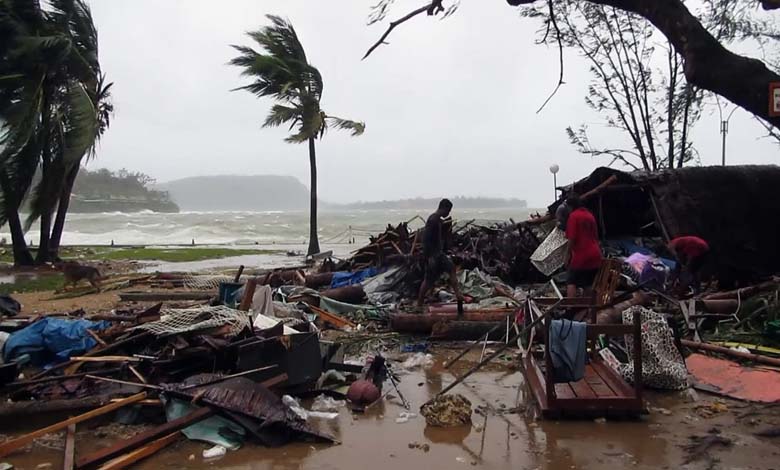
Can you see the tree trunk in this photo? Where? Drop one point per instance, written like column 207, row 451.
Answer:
column 689, row 95
column 62, row 212
column 43, row 243
column 708, row 64
column 22, row 255
column 314, row 243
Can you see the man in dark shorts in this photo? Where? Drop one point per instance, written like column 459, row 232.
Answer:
column 436, row 261
column 584, row 249
column 692, row 254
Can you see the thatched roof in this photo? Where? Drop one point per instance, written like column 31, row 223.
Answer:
column 734, row 208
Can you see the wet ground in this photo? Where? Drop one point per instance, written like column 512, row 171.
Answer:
column 504, row 438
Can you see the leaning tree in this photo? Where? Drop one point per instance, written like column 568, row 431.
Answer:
column 283, row 72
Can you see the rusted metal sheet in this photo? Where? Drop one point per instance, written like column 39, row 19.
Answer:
column 734, row 380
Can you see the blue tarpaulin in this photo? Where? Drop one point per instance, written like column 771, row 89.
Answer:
column 341, row 278
column 52, row 340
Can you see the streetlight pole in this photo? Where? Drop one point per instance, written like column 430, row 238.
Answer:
column 724, row 129
column 554, row 170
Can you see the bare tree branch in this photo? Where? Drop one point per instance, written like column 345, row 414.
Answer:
column 430, row 7
column 554, row 23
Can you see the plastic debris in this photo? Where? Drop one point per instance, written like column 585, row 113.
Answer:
column 326, row 403
column 404, row 417
column 214, row 452
column 304, row 414
column 418, row 360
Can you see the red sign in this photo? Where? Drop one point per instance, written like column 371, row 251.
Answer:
column 774, row 99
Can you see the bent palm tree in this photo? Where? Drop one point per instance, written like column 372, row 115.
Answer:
column 49, row 109
column 282, row 71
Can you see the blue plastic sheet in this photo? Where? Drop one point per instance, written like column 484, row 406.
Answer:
column 341, row 278
column 52, row 340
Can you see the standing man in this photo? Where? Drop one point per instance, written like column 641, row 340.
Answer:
column 436, row 261
column 691, row 254
column 562, row 215
column 584, row 249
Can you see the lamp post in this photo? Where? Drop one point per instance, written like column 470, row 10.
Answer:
column 724, row 129
column 554, row 170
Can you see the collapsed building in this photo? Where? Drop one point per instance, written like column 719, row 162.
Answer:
column 730, row 207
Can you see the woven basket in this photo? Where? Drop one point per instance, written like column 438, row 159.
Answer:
column 551, row 254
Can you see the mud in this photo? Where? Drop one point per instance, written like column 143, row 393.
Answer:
column 506, row 436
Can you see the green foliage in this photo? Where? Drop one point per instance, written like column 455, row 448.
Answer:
column 175, row 255
column 101, row 187
column 54, row 101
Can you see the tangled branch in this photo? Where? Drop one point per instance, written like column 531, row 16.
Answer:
column 432, row 8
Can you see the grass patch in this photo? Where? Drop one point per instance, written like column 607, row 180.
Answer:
column 175, row 255
column 32, row 283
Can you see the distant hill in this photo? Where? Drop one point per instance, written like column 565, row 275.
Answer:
column 237, row 193
column 117, row 191
column 460, row 202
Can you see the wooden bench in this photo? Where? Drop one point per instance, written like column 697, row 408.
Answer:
column 602, row 392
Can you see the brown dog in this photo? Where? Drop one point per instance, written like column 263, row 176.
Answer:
column 75, row 272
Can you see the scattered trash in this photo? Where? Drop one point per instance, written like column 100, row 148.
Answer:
column 701, row 446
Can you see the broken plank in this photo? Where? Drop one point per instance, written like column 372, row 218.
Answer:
column 105, row 359
column 15, row 444
column 126, row 445
column 70, row 447
column 97, row 338
column 335, row 320
column 139, row 454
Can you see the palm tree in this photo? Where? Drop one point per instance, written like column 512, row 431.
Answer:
column 49, row 119
column 282, row 71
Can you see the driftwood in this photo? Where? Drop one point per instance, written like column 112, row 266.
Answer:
column 140, row 454
column 745, row 292
column 127, row 445
column 29, row 408
column 70, row 448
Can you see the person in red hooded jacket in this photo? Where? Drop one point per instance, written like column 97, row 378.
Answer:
column 692, row 254
column 584, row 249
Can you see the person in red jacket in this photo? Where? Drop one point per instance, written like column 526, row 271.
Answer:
column 692, row 254
column 584, row 249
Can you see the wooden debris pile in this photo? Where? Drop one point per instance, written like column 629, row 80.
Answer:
column 501, row 250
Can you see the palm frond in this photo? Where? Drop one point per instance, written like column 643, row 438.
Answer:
column 280, row 114
column 356, row 127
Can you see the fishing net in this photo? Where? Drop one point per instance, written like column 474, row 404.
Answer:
column 176, row 321
column 205, row 281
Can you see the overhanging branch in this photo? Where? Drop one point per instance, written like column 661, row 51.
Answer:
column 431, row 8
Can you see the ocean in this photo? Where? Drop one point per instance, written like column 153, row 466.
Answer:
column 246, row 228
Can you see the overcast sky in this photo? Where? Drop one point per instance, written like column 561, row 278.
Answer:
column 450, row 105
